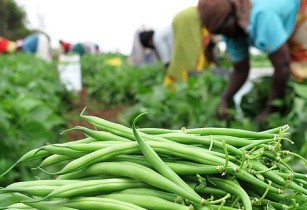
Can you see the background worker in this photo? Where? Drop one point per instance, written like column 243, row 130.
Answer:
column 66, row 46
column 7, row 46
column 192, row 48
column 184, row 47
column 160, row 42
column 83, row 48
column 276, row 27
column 37, row 43
column 142, row 52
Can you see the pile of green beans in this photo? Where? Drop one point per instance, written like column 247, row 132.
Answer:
column 117, row 167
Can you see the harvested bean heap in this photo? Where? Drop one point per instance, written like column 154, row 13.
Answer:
column 117, row 167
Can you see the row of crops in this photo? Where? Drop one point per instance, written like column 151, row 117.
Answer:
column 36, row 109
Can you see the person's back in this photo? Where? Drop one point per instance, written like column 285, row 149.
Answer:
column 30, row 43
column 39, row 44
column 188, row 46
column 163, row 44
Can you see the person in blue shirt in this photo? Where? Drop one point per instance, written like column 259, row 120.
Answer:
column 269, row 25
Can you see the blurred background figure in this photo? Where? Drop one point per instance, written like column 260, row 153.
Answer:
column 7, row 46
column 184, row 47
column 141, row 54
column 65, row 46
column 37, row 43
column 159, row 42
column 261, row 24
column 83, row 48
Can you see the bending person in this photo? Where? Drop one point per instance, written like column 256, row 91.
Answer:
column 276, row 27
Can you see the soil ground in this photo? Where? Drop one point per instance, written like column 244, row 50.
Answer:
column 93, row 108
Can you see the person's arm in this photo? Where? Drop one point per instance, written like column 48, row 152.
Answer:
column 280, row 60
column 237, row 78
column 211, row 54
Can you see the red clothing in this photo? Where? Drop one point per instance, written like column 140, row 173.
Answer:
column 3, row 45
column 66, row 46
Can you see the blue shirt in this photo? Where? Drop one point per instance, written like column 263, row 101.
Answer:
column 271, row 23
column 30, row 43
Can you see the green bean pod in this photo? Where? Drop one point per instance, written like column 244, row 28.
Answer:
column 147, row 201
column 134, row 171
column 152, row 158
column 234, row 188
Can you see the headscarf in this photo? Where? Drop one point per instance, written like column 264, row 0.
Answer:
column 214, row 12
column 243, row 8
column 145, row 37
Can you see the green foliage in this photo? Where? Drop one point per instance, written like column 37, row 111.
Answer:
column 31, row 108
column 293, row 110
column 190, row 105
column 117, row 84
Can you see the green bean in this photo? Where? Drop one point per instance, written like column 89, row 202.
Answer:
column 48, row 182
column 31, row 155
column 258, row 166
column 259, row 143
column 99, row 155
column 54, row 159
column 192, row 139
column 94, row 187
column 92, row 146
column 118, row 129
column 157, row 131
column 149, row 191
column 210, row 190
column 92, row 203
column 131, row 147
column 234, row 188
column 152, row 157
column 230, row 132
column 99, row 135
column 147, row 201
column 301, row 181
column 179, row 167
column 31, row 190
column 84, row 140
column 18, row 206
column 134, row 171
column 214, row 207
column 277, row 129
column 197, row 155
column 37, row 205
column 61, row 150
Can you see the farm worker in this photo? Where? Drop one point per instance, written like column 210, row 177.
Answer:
column 276, row 27
column 141, row 54
column 181, row 45
column 7, row 46
column 37, row 43
column 192, row 47
column 160, row 43
column 85, row 48
column 66, row 46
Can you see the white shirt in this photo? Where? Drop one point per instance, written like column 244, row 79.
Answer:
column 163, row 42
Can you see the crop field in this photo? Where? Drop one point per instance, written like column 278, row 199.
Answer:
column 126, row 141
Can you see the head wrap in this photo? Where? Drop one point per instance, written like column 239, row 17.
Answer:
column 145, row 37
column 213, row 12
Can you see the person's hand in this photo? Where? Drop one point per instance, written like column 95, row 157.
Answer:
column 222, row 110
